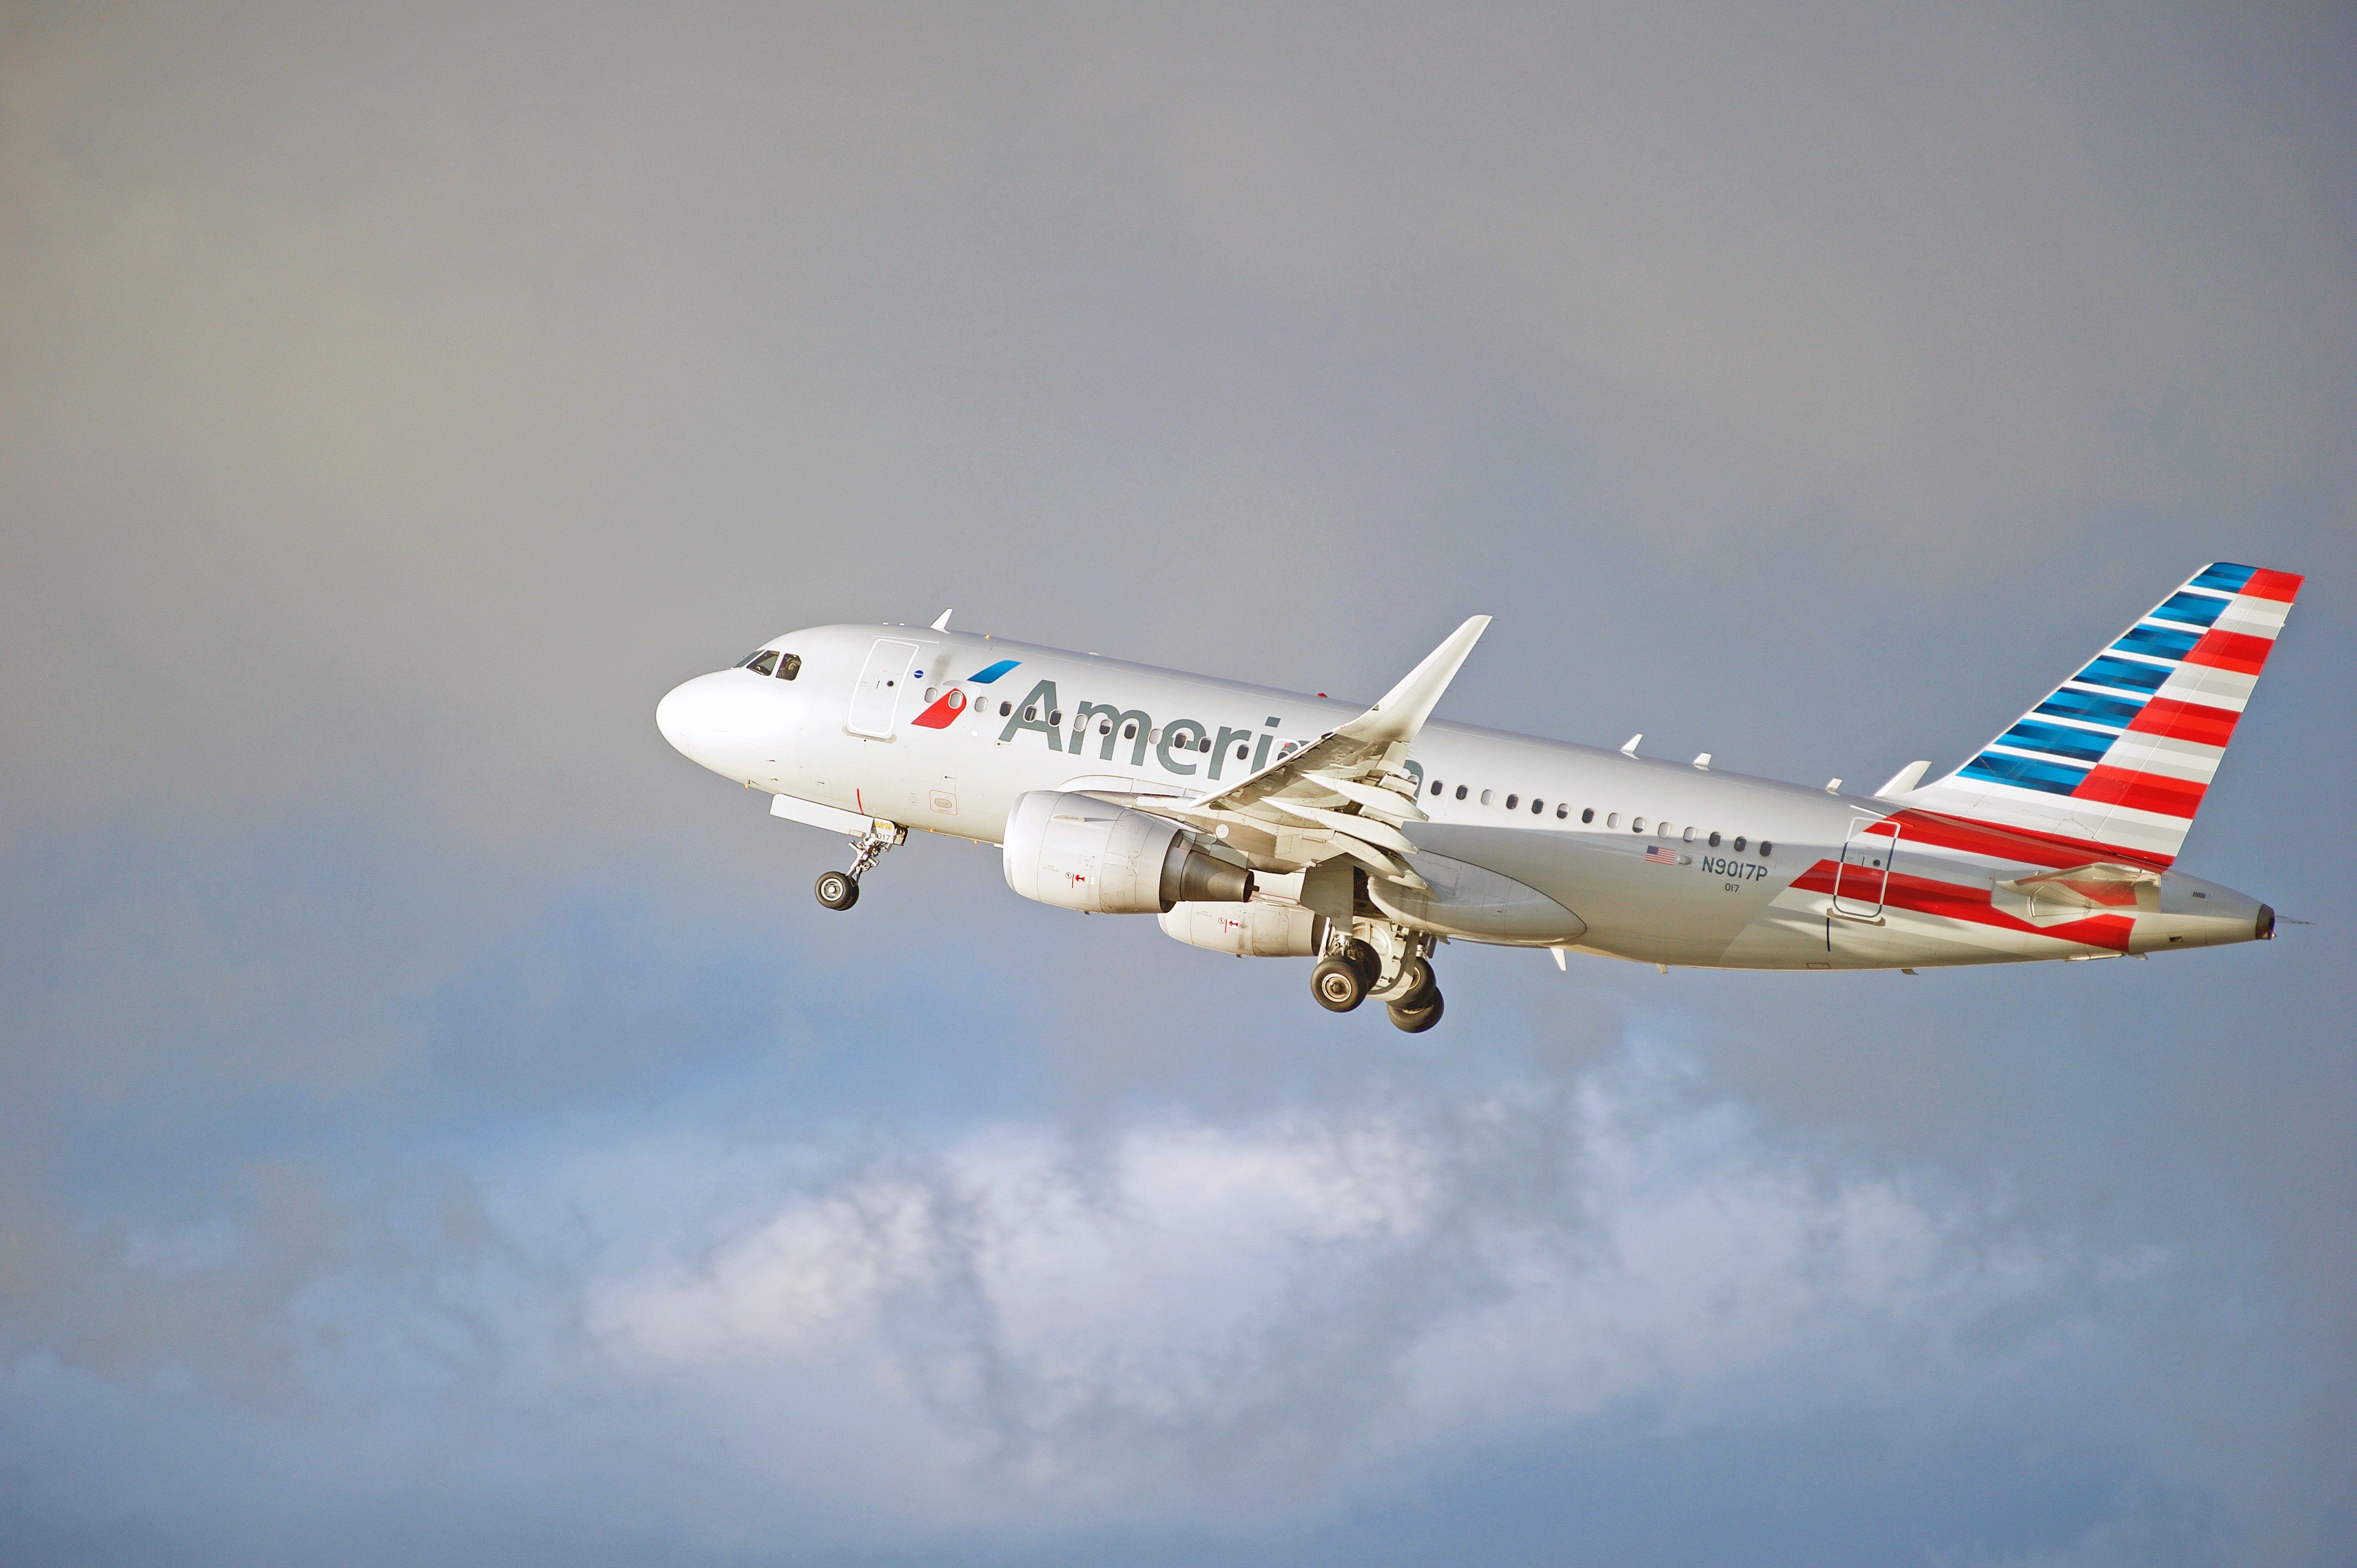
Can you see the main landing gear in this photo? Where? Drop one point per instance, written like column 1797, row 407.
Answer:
column 840, row 889
column 1401, row 979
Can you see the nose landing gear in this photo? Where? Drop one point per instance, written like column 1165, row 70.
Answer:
column 840, row 889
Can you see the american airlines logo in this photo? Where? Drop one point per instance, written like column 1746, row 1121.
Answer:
column 945, row 712
column 1179, row 746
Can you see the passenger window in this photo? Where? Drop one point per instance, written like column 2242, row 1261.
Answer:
column 1129, row 731
column 766, row 664
column 1243, row 752
column 1714, row 841
column 790, row 667
column 1437, row 786
column 1738, row 844
column 1561, row 811
column 1637, row 824
column 1460, row 791
column 1056, row 715
column 1537, row 805
column 1512, row 801
column 1613, row 819
column 1485, row 797
column 1588, row 814
column 1004, row 709
column 1031, row 714
column 1765, row 849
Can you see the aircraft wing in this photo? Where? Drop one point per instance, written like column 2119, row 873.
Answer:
column 1347, row 793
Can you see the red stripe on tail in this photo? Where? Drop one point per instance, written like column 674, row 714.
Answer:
column 2142, row 791
column 2283, row 587
column 2197, row 722
column 2234, row 651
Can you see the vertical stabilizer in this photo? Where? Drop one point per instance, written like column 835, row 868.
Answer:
column 2117, row 757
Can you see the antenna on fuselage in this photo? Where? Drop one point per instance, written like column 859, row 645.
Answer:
column 1630, row 750
column 942, row 624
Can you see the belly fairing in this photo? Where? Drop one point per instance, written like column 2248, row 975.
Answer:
column 1475, row 903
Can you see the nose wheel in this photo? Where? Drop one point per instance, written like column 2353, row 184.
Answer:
column 840, row 889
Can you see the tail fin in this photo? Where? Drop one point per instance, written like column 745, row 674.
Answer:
column 2116, row 758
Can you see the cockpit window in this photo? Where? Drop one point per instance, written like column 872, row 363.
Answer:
column 765, row 663
column 790, row 667
column 749, row 659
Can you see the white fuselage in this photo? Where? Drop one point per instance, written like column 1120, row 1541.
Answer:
column 1622, row 855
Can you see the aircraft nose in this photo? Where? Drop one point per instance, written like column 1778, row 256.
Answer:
column 693, row 717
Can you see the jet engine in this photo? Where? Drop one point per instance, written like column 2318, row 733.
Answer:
column 1258, row 929
column 1080, row 852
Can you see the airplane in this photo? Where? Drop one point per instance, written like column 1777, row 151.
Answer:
column 1266, row 824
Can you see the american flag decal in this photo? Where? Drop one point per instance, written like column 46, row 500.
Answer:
column 1661, row 854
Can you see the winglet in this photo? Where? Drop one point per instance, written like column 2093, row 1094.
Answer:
column 942, row 624
column 1406, row 706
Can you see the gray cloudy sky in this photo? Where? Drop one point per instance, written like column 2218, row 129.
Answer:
column 436, row 1121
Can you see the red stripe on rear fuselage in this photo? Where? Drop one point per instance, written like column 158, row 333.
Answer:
column 1954, row 901
column 2027, row 846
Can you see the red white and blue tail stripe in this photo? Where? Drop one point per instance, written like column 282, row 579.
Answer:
column 2117, row 757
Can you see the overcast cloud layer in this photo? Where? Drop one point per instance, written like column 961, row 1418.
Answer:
column 436, row 1121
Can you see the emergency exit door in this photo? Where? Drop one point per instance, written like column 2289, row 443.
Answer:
column 1863, row 877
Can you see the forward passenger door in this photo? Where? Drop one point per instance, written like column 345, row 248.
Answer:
column 876, row 699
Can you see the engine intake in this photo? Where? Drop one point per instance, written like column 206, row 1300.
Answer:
column 1080, row 852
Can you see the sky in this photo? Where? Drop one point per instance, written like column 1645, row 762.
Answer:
column 437, row 1121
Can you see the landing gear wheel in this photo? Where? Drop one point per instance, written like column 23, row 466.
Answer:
column 1338, row 986
column 1416, row 1020
column 1363, row 958
column 1416, row 985
column 838, row 890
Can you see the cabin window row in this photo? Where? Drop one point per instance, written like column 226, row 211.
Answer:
column 1611, row 819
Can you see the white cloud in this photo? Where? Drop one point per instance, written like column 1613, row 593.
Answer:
column 1201, row 1322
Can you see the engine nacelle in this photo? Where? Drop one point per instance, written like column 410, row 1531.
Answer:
column 1079, row 852
column 1257, row 930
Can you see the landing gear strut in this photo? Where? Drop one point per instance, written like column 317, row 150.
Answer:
column 840, row 889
